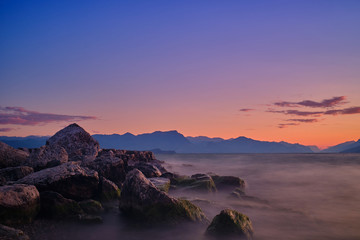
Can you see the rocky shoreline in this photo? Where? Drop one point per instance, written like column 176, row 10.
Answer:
column 72, row 179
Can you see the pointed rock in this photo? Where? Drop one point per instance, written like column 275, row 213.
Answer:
column 78, row 143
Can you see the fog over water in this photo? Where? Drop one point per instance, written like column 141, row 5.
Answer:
column 290, row 196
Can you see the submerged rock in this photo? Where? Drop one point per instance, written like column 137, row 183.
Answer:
column 8, row 233
column 78, row 143
column 14, row 173
column 91, row 206
column 11, row 157
column 161, row 183
column 19, row 203
column 141, row 200
column 109, row 164
column 197, row 182
column 68, row 179
column 47, row 156
column 54, row 205
column 108, row 190
column 230, row 223
column 223, row 182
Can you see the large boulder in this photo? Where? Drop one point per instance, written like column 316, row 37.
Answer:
column 148, row 169
column 161, row 183
column 69, row 179
column 230, row 223
column 108, row 190
column 91, row 206
column 11, row 157
column 109, row 164
column 14, row 173
column 8, row 233
column 141, row 200
column 197, row 182
column 55, row 206
column 225, row 182
column 78, row 143
column 19, row 203
column 47, row 156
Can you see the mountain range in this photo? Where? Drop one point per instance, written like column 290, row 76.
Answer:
column 173, row 141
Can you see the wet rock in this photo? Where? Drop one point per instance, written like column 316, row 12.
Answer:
column 148, row 169
column 68, row 179
column 91, row 206
column 109, row 164
column 8, row 233
column 14, row 173
column 161, row 183
column 108, row 190
column 78, row 143
column 141, row 200
column 223, row 182
column 46, row 157
column 238, row 193
column 11, row 157
column 197, row 182
column 230, row 223
column 55, row 206
column 89, row 219
column 19, row 203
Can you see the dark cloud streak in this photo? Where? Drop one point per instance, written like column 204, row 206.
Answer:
column 326, row 103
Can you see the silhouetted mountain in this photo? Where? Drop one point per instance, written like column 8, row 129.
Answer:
column 25, row 142
column 203, row 139
column 353, row 149
column 342, row 147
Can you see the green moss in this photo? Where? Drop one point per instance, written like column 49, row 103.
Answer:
column 196, row 184
column 91, row 206
column 110, row 195
column 66, row 210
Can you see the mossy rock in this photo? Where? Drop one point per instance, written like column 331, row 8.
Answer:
column 225, row 182
column 91, row 206
column 163, row 184
column 108, row 191
column 230, row 223
column 196, row 183
column 89, row 219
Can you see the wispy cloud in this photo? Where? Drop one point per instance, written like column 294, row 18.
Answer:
column 246, row 109
column 284, row 125
column 6, row 129
column 307, row 120
column 296, row 112
column 22, row 116
column 351, row 110
column 326, row 103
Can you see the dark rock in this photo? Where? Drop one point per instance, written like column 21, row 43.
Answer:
column 109, row 164
column 161, row 183
column 14, row 173
column 148, row 169
column 8, row 233
column 230, row 223
column 197, row 182
column 238, row 193
column 19, row 203
column 132, row 157
column 68, row 179
column 11, row 157
column 47, row 156
column 78, row 143
column 223, row 182
column 141, row 200
column 54, row 205
column 91, row 206
column 108, row 190
column 90, row 219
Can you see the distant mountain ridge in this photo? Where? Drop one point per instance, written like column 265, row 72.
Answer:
column 173, row 141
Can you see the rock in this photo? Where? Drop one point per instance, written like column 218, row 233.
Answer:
column 132, row 157
column 8, row 233
column 78, row 143
column 90, row 219
column 109, row 165
column 68, row 179
column 148, row 169
column 46, row 157
column 19, row 203
column 108, row 190
column 91, row 206
column 14, row 173
column 197, row 182
column 55, row 206
column 238, row 193
column 11, row 157
column 141, row 200
column 230, row 223
column 161, row 183
column 223, row 182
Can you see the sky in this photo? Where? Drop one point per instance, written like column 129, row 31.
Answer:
column 268, row 70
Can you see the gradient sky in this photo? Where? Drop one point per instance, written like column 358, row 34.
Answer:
column 213, row 68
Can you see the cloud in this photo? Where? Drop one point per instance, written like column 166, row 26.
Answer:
column 308, row 120
column 6, row 129
column 284, row 125
column 326, row 103
column 246, row 109
column 351, row 110
column 296, row 112
column 22, row 116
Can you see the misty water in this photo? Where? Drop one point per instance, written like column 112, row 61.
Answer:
column 290, row 196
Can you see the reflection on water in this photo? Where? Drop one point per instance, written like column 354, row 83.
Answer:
column 291, row 196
